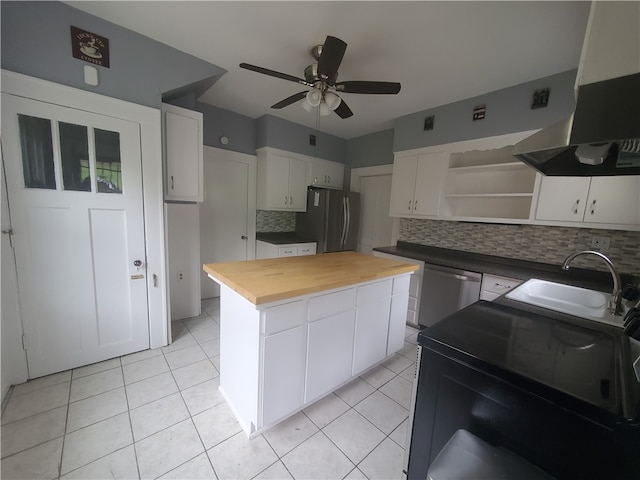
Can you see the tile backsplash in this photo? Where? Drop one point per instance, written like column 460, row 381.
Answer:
column 268, row 221
column 528, row 242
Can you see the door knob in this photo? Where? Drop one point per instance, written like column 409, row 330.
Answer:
column 243, row 237
column 137, row 263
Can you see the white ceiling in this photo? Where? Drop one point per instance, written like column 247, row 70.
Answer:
column 440, row 52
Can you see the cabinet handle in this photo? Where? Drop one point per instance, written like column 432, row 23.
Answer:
column 171, row 182
column 575, row 207
column 499, row 285
column 410, row 205
column 285, row 199
column 415, row 205
column 593, row 207
column 329, row 177
column 290, row 201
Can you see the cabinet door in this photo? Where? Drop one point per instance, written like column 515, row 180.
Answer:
column 297, row 185
column 283, row 373
column 403, row 183
column 335, row 174
column 372, row 326
column 276, row 181
column 329, row 353
column 562, row 198
column 397, row 322
column 614, row 200
column 429, row 180
column 183, row 154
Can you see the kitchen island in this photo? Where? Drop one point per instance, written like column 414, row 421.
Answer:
column 293, row 330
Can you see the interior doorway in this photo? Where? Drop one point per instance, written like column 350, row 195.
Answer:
column 228, row 212
column 377, row 228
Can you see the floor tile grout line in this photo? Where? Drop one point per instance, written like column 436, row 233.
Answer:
column 66, row 422
column 133, row 438
column 281, row 457
column 192, row 423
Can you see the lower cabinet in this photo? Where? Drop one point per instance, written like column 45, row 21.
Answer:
column 283, row 374
column 272, row 250
column 277, row 359
column 372, row 325
column 329, row 353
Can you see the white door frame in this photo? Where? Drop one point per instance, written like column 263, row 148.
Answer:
column 151, row 147
column 356, row 177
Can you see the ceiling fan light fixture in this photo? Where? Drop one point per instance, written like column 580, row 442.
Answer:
column 324, row 109
column 314, row 97
column 306, row 106
column 332, row 100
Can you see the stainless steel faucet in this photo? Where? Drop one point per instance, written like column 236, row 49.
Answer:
column 615, row 305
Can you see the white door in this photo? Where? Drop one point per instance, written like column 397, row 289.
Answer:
column 376, row 226
column 227, row 215
column 75, row 194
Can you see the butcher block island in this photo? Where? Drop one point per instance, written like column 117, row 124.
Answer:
column 295, row 329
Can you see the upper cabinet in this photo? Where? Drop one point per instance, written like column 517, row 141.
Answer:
column 325, row 173
column 416, row 184
column 182, row 152
column 590, row 200
column 612, row 42
column 282, row 181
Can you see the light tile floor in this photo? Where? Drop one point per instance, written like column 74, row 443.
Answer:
column 158, row 414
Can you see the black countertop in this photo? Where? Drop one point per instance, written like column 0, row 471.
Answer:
column 587, row 365
column 281, row 238
column 507, row 267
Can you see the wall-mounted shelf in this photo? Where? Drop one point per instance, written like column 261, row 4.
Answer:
column 488, row 183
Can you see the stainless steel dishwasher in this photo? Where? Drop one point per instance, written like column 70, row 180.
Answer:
column 445, row 291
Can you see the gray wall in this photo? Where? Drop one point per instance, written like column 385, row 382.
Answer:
column 239, row 129
column 36, row 41
column 508, row 111
column 278, row 133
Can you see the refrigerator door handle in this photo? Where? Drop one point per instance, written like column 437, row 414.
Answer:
column 344, row 223
column 346, row 230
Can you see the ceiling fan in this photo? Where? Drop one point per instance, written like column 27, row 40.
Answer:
column 322, row 76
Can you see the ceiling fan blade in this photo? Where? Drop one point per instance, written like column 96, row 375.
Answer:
column 330, row 59
column 384, row 88
column 290, row 100
column 273, row 73
column 343, row 110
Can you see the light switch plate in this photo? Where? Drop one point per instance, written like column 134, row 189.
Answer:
column 91, row 75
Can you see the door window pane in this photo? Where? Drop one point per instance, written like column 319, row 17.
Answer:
column 108, row 163
column 37, row 152
column 74, row 152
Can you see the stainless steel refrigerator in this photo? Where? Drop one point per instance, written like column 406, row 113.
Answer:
column 331, row 219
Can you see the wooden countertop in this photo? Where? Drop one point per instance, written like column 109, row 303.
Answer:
column 269, row 280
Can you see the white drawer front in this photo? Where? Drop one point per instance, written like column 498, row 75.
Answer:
column 283, row 317
column 374, row 292
column 498, row 284
column 287, row 251
column 324, row 306
column 414, row 284
column 307, row 249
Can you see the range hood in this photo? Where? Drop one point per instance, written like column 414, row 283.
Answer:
column 601, row 137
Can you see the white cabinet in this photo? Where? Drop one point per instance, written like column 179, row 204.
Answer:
column 329, row 353
column 415, row 286
column 372, row 325
column 494, row 286
column 325, row 173
column 593, row 200
column 271, row 250
column 398, row 314
column 282, row 181
column 183, row 153
column 416, row 184
column 284, row 357
column 612, row 42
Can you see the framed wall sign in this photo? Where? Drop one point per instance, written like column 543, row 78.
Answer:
column 90, row 47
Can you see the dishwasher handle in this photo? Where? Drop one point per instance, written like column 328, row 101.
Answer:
column 458, row 274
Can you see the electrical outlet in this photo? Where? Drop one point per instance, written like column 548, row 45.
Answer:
column 600, row 243
column 180, row 276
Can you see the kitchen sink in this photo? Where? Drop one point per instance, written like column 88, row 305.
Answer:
column 576, row 301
